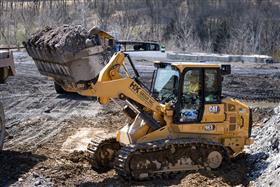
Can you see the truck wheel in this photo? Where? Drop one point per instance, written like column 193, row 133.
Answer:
column 2, row 126
column 59, row 89
column 4, row 73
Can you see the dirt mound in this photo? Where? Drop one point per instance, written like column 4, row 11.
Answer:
column 67, row 38
column 61, row 44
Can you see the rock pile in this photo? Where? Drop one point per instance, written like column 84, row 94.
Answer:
column 264, row 157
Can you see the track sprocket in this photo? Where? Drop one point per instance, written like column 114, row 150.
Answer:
column 101, row 153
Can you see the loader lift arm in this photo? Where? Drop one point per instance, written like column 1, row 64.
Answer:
column 114, row 81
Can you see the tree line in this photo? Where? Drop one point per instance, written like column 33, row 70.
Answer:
column 220, row 26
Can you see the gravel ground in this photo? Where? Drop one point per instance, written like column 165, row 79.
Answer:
column 48, row 132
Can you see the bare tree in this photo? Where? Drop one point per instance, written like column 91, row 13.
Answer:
column 104, row 11
column 239, row 26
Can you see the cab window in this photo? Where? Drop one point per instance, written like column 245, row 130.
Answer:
column 191, row 100
column 212, row 91
column 166, row 84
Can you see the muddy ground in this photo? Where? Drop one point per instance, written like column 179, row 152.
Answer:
column 47, row 132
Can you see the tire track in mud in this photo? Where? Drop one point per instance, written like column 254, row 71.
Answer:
column 34, row 112
column 39, row 127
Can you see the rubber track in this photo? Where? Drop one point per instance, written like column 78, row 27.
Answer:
column 122, row 160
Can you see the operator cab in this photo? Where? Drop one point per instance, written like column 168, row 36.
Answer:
column 189, row 87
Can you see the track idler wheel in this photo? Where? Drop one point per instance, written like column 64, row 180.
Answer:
column 102, row 153
column 214, row 159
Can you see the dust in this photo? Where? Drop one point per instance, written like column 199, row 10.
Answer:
column 82, row 137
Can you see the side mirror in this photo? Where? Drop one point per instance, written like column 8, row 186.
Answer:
column 226, row 69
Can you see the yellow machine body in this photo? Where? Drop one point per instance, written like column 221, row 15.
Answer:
column 230, row 126
column 226, row 121
column 181, row 123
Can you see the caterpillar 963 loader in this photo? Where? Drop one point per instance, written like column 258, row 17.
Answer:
column 182, row 123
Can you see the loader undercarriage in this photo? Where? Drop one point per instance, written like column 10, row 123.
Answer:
column 156, row 159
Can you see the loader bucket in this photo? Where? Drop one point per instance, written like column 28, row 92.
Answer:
column 82, row 66
column 68, row 54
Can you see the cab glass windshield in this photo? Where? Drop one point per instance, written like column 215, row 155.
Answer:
column 166, row 84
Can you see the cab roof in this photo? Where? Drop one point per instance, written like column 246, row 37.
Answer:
column 182, row 65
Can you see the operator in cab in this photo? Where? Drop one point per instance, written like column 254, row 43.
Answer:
column 191, row 96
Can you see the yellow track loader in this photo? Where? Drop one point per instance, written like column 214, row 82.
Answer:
column 182, row 123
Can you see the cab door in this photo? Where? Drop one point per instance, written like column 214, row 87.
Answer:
column 199, row 99
column 190, row 103
column 213, row 107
